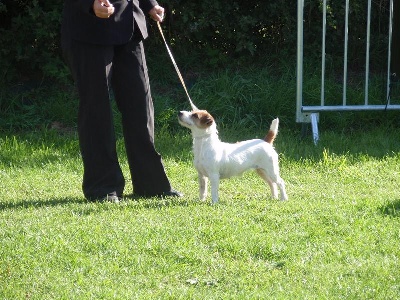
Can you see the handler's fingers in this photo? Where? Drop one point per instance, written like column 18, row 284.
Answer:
column 157, row 13
column 106, row 2
column 103, row 8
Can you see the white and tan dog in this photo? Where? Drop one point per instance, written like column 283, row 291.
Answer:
column 216, row 160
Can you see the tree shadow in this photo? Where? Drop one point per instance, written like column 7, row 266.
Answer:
column 391, row 209
column 376, row 143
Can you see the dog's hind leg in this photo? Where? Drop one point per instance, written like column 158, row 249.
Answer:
column 267, row 179
column 202, row 187
column 281, row 185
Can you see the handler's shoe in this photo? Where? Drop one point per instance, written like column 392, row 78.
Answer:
column 111, row 197
column 171, row 193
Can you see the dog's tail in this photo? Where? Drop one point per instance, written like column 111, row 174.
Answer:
column 273, row 131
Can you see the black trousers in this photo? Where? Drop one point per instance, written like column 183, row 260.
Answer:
column 97, row 69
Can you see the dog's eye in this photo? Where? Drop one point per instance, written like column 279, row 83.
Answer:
column 195, row 115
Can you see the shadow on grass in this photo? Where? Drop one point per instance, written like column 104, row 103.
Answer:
column 354, row 146
column 129, row 200
column 391, row 209
column 158, row 203
column 40, row 203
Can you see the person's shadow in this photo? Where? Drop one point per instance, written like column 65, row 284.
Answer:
column 130, row 200
column 22, row 203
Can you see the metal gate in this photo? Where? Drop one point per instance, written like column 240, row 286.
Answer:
column 310, row 113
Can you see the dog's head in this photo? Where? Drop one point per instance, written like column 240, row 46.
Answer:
column 199, row 121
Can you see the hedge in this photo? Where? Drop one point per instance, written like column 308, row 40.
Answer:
column 216, row 30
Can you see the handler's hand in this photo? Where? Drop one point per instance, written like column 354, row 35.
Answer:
column 157, row 13
column 103, row 8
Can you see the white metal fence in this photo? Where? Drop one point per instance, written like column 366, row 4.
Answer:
column 310, row 113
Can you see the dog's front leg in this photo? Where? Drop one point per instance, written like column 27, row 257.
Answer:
column 202, row 186
column 214, row 180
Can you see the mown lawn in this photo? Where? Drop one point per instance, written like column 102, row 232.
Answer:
column 337, row 237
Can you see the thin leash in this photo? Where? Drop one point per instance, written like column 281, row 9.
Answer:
column 176, row 68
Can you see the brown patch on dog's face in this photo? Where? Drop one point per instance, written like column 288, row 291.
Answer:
column 202, row 118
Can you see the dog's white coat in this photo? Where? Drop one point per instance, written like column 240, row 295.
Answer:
column 216, row 160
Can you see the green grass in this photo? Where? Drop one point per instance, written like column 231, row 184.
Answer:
column 239, row 96
column 337, row 237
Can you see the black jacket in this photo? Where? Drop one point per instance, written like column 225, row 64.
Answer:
column 80, row 23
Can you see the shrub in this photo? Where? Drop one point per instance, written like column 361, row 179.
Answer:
column 219, row 32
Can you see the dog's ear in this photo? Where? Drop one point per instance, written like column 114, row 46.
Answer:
column 210, row 120
column 202, row 118
column 207, row 120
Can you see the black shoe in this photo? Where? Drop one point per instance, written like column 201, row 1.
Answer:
column 110, row 197
column 171, row 193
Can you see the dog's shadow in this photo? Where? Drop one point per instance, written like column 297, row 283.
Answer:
column 157, row 203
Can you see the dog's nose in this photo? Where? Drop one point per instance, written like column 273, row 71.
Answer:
column 180, row 113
